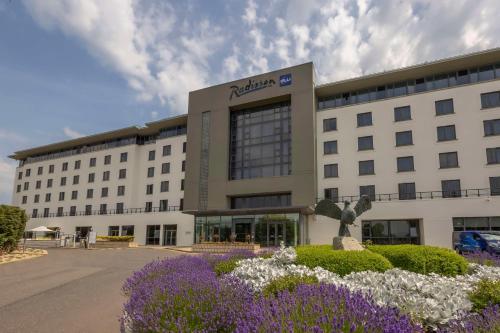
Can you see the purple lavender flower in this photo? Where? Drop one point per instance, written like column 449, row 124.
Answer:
column 483, row 258
column 488, row 321
column 214, row 259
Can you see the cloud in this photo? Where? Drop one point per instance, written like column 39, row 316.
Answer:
column 154, row 114
column 7, row 135
column 72, row 134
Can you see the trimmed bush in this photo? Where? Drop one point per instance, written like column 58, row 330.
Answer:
column 486, row 293
column 289, row 282
column 423, row 259
column 340, row 261
column 12, row 224
column 116, row 238
column 226, row 266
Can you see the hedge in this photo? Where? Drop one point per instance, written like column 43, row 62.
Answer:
column 423, row 259
column 288, row 282
column 12, row 224
column 340, row 261
column 486, row 293
column 116, row 238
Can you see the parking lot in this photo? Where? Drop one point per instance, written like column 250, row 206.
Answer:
column 69, row 289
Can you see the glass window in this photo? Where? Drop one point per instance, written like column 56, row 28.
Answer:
column 183, row 166
column 151, row 172
column 91, row 177
column 123, row 157
column 495, row 185
column 76, row 179
column 493, row 155
column 486, row 73
column 441, row 81
column 93, row 162
column 90, row 193
column 72, row 210
column 61, row 196
column 331, row 170
column 259, row 201
column 368, row 190
column 163, row 205
column 49, row 183
column 153, row 234
column 88, row 209
column 451, row 188
column 74, row 195
column 490, row 100
column 165, row 168
column 404, row 138
column 402, row 113
column 63, row 181
column 164, row 186
column 107, row 159
column 167, row 150
column 366, row 167
column 448, row 160
column 38, row 184
column 400, row 89
column 105, row 175
column 184, row 147
column 65, row 166
column 122, row 174
column 365, row 143
column 51, row 168
column 330, row 147
column 332, row 194
column 405, row 164
column 476, row 223
column 329, row 124
column 149, row 207
column 28, row 172
column 114, row 230
column 444, row 107
column 104, row 192
column 120, row 191
column 463, row 77
column 40, row 170
column 46, row 212
column 491, row 127
column 364, row 119
column 407, row 191
column 151, row 155
column 127, row 230
column 149, row 189
column 446, row 133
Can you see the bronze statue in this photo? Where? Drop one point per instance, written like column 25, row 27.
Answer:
column 346, row 216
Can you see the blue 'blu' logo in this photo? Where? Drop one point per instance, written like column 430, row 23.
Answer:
column 285, row 80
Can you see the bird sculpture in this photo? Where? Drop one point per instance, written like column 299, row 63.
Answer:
column 347, row 216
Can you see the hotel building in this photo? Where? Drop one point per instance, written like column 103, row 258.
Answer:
column 252, row 157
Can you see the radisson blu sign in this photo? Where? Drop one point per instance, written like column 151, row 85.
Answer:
column 253, row 85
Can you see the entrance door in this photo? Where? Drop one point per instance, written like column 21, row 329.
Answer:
column 243, row 232
column 170, row 234
column 153, row 235
column 81, row 232
column 276, row 233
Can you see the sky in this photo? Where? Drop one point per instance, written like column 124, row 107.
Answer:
column 70, row 68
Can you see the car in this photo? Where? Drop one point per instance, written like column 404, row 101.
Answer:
column 475, row 241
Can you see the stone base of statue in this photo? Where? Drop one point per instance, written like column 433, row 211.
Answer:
column 346, row 243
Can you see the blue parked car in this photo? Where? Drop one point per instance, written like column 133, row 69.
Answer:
column 472, row 241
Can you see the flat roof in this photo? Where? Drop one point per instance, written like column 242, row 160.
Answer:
column 147, row 129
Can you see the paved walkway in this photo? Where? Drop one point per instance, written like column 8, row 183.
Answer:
column 69, row 290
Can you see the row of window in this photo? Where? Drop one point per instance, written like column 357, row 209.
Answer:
column 164, row 187
column 407, row 191
column 166, row 151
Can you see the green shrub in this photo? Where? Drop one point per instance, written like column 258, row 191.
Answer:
column 340, row 261
column 116, row 238
column 12, row 224
column 289, row 282
column 487, row 292
column 226, row 266
column 423, row 259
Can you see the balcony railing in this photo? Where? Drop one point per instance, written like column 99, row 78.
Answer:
column 110, row 212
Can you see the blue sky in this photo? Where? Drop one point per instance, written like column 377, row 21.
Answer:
column 71, row 68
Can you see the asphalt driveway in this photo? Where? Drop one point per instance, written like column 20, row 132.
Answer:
column 69, row 290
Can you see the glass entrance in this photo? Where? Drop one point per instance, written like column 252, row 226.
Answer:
column 153, row 234
column 170, row 234
column 243, row 231
column 276, row 233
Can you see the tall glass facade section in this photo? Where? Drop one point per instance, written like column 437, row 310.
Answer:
column 260, row 142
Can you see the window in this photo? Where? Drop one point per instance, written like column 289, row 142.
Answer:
column 114, row 230
column 120, row 191
column 26, row 186
column 37, row 198
column 61, row 196
column 405, row 164
column 391, row 231
column 46, row 212
column 490, row 100
column 25, row 199
column 182, row 184
column 495, row 185
column 76, row 179
column 72, row 210
column 184, row 147
column 151, row 155
column 38, row 184
column 28, row 172
column 260, row 142
column 107, row 159
column 444, row 107
column 366, row 167
column 74, row 195
column 163, row 205
column 149, row 189
column 164, row 186
column 365, row 143
column 103, row 209
column 330, row 147
column 40, row 170
column 151, row 172
column 368, row 190
column 491, row 127
column 47, row 197
column 105, row 176
column 91, row 177
column 329, row 124
column 404, row 138
column 88, row 209
column 259, row 201
column 90, row 193
column 49, row 183
column 51, row 168
column 331, row 170
column 65, row 166
column 476, row 223
column 448, row 160
column 122, row 173
column 119, row 208
column 402, row 113
column 104, row 192
column 93, row 162
column 407, row 191
column 493, row 155
column 77, row 164
column 181, row 204
column 127, row 230
column 18, row 188
column 332, row 194
column 149, row 207
column 364, row 119
column 446, row 133
column 165, row 168
column 451, row 188
column 153, row 234
column 167, row 150
column 183, row 167
column 60, row 211
column 123, row 157
column 35, row 213
column 63, row 181
column 20, row 176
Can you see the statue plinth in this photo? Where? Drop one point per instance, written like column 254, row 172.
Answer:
column 346, row 243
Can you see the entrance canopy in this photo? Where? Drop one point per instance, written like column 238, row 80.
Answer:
column 305, row 210
column 41, row 229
